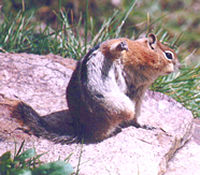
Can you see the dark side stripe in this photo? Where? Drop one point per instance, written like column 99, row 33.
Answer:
column 85, row 60
column 86, row 57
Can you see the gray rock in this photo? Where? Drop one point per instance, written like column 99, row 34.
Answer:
column 40, row 81
column 186, row 160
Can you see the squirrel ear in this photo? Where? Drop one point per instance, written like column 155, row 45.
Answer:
column 152, row 40
column 119, row 46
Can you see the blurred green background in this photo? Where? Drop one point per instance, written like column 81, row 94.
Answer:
column 179, row 16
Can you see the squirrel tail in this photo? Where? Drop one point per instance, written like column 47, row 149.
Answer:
column 48, row 127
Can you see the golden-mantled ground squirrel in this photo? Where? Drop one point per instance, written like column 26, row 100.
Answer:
column 105, row 91
column 108, row 84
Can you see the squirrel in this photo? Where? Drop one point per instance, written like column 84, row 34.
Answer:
column 108, row 84
column 106, row 89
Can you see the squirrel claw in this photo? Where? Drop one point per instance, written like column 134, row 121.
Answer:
column 148, row 127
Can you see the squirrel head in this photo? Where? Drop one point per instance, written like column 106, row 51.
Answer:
column 146, row 56
column 165, row 59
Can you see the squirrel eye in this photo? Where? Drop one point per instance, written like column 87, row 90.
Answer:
column 169, row 55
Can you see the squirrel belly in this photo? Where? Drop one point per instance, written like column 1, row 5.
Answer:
column 108, row 84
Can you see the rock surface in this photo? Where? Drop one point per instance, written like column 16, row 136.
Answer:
column 40, row 81
column 186, row 160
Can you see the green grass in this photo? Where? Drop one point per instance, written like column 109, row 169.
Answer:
column 22, row 34
column 184, row 86
column 27, row 162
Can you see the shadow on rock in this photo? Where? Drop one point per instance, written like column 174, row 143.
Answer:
column 21, row 121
